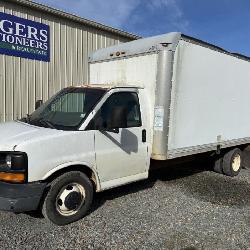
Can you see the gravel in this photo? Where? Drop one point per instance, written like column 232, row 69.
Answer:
column 179, row 207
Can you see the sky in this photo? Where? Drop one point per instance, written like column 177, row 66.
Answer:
column 225, row 23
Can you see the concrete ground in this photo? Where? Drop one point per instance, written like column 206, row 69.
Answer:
column 180, row 207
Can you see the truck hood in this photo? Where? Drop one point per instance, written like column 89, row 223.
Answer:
column 15, row 133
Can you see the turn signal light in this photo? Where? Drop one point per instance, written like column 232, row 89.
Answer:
column 12, row 177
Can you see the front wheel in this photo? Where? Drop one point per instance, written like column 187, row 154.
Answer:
column 69, row 198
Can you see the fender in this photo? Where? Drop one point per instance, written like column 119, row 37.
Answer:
column 75, row 163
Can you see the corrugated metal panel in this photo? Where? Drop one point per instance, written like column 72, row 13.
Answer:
column 23, row 81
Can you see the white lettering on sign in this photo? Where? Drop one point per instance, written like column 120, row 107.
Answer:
column 19, row 29
column 19, row 36
column 5, row 27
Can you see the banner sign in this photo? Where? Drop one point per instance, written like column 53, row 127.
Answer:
column 24, row 38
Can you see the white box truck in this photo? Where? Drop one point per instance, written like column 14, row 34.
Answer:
column 161, row 98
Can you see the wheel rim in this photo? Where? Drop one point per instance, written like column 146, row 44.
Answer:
column 236, row 162
column 70, row 199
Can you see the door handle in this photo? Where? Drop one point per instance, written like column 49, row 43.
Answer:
column 144, row 135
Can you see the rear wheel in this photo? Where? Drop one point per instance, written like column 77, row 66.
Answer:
column 246, row 157
column 69, row 198
column 218, row 165
column 232, row 162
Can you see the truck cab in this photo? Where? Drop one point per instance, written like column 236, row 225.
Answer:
column 84, row 139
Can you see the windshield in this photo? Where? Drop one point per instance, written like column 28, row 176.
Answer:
column 67, row 109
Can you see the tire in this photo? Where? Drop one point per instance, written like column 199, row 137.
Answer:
column 232, row 162
column 218, row 166
column 246, row 158
column 69, row 198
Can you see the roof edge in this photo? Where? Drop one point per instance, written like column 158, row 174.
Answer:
column 72, row 17
column 154, row 44
column 145, row 45
column 214, row 47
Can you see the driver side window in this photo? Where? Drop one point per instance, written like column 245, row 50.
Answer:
column 127, row 100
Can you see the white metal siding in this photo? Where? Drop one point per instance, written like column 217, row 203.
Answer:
column 23, row 81
column 210, row 97
column 137, row 71
column 133, row 71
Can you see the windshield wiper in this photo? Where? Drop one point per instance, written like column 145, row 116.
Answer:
column 26, row 119
column 43, row 122
column 47, row 123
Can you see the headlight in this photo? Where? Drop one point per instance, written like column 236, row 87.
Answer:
column 13, row 167
column 8, row 161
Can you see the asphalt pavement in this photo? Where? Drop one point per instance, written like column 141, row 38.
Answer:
column 180, row 207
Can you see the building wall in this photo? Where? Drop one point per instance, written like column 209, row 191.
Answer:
column 23, row 81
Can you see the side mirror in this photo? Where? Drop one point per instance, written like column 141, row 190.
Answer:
column 119, row 117
column 38, row 104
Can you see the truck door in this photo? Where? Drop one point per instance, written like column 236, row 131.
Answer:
column 122, row 152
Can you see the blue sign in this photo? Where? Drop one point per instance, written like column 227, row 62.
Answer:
column 24, row 38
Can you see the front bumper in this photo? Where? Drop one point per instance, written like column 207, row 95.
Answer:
column 20, row 197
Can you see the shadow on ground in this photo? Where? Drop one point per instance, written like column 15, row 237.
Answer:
column 196, row 180
column 167, row 173
column 218, row 189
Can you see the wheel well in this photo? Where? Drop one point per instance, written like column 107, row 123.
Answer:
column 241, row 147
column 84, row 169
column 244, row 147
